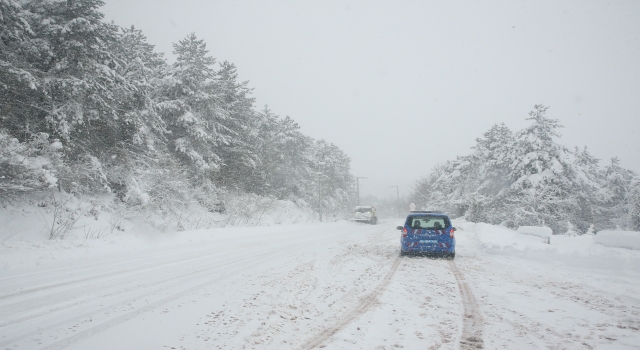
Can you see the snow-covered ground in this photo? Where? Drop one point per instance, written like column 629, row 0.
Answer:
column 332, row 286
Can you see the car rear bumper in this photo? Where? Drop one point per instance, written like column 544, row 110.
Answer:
column 438, row 247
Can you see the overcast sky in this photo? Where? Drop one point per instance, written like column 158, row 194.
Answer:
column 401, row 86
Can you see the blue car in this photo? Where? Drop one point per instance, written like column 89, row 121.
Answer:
column 428, row 232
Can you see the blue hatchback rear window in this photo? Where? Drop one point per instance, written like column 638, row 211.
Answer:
column 427, row 222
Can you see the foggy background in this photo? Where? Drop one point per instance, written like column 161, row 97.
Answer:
column 403, row 86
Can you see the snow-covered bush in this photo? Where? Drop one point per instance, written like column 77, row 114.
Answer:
column 28, row 166
column 86, row 174
column 155, row 191
column 209, row 197
column 63, row 215
column 246, row 209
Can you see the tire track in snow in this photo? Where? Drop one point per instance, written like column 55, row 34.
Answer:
column 102, row 276
column 55, row 273
column 64, row 343
column 132, row 314
column 472, row 322
column 365, row 303
column 77, row 299
column 88, row 273
column 254, row 259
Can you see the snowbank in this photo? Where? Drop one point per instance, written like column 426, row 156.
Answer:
column 618, row 239
column 574, row 251
column 539, row 231
column 53, row 215
column 465, row 225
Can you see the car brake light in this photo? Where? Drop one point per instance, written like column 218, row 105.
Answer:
column 404, row 232
column 451, row 233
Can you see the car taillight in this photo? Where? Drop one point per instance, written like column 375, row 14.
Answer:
column 404, row 232
column 451, row 233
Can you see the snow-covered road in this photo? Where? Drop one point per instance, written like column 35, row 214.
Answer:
column 332, row 286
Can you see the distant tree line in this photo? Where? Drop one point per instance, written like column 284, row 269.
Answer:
column 527, row 178
column 87, row 106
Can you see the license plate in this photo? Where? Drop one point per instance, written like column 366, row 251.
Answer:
column 428, row 241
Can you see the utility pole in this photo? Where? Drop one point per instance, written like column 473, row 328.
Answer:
column 358, row 188
column 398, row 202
column 320, row 178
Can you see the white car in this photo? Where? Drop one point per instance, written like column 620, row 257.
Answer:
column 365, row 214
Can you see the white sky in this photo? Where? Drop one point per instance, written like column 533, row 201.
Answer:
column 401, row 86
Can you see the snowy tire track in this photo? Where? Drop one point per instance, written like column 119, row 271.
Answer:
column 101, row 276
column 472, row 323
column 365, row 303
column 128, row 316
column 134, row 295
column 255, row 261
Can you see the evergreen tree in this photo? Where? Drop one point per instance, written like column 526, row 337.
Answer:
column 239, row 159
column 540, row 175
column 617, row 188
column 285, row 157
column 490, row 175
column 20, row 82
column 190, row 109
column 142, row 69
column 141, row 133
column 72, row 49
column 587, row 182
column 68, row 86
column 332, row 177
column 634, row 205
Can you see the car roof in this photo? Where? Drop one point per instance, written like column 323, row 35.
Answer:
column 425, row 213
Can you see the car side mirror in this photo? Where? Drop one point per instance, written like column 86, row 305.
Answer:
column 399, row 228
column 455, row 229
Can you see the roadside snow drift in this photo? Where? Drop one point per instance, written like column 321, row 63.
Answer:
column 576, row 251
column 619, row 239
column 539, row 231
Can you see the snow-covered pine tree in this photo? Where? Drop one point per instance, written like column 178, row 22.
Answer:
column 458, row 183
column 188, row 105
column 142, row 69
column 72, row 49
column 296, row 160
column 333, row 179
column 67, row 84
column 634, row 205
column 471, row 185
column 491, row 175
column 491, row 153
column 141, row 138
column 428, row 193
column 588, row 181
column 617, row 189
column 20, row 82
column 285, row 157
column 238, row 156
column 541, row 176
